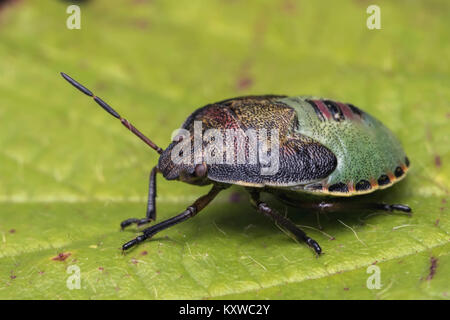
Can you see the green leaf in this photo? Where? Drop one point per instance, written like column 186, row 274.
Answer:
column 70, row 173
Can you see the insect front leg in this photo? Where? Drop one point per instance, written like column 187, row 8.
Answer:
column 151, row 204
column 282, row 221
column 190, row 211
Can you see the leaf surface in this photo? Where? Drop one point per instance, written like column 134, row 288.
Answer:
column 70, row 173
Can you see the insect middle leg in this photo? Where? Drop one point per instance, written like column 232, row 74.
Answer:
column 282, row 221
column 151, row 204
column 190, row 211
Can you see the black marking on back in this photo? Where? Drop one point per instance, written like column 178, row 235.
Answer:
column 355, row 110
column 363, row 185
column 407, row 161
column 338, row 187
column 335, row 110
column 299, row 162
column 316, row 110
column 398, row 172
column 383, row 180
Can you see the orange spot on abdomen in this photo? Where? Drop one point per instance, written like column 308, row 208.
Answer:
column 391, row 176
column 373, row 183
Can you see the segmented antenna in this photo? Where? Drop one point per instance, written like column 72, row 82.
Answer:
column 112, row 112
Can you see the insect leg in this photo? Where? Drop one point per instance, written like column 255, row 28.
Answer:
column 283, row 222
column 151, row 204
column 190, row 211
column 340, row 206
column 390, row 207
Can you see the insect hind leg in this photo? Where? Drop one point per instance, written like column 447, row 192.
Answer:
column 344, row 205
column 394, row 207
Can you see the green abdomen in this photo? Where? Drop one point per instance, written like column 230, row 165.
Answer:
column 368, row 155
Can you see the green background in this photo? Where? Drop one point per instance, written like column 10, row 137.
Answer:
column 69, row 173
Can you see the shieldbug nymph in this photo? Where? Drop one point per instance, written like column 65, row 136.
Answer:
column 322, row 147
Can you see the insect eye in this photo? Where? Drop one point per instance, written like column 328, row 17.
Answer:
column 178, row 138
column 200, row 170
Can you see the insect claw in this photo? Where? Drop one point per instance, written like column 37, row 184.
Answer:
column 401, row 207
column 129, row 244
column 314, row 245
column 127, row 222
column 133, row 242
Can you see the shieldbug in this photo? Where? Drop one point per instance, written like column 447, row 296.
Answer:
column 324, row 147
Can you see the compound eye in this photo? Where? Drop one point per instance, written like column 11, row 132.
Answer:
column 178, row 138
column 200, row 170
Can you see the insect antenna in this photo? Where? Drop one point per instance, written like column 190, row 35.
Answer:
column 112, row 112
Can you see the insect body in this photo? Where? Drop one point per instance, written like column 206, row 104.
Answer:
column 323, row 147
